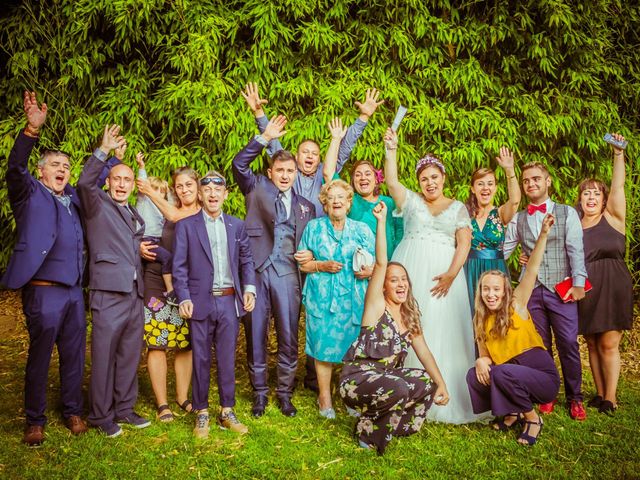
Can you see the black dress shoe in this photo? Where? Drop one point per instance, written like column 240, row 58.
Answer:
column 259, row 404
column 595, row 402
column 607, row 407
column 286, row 407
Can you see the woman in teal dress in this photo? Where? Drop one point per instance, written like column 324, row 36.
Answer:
column 489, row 223
column 365, row 181
column 333, row 293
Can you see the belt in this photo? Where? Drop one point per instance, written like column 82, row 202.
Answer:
column 46, row 283
column 486, row 254
column 222, row 292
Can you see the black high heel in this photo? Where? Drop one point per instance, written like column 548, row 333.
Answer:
column 530, row 439
column 607, row 408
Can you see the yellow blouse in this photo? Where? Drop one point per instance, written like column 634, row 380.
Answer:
column 522, row 336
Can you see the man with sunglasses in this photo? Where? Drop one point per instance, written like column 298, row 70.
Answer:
column 48, row 265
column 214, row 280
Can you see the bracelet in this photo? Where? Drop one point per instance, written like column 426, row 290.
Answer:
column 317, row 271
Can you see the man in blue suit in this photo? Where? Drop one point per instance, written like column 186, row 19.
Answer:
column 47, row 263
column 276, row 217
column 214, row 280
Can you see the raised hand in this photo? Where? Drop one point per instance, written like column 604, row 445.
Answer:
column 370, row 104
column 336, row 129
column 380, row 211
column 120, row 151
column 252, row 97
column 275, row 128
column 35, row 115
column 617, row 150
column 547, row 223
column 144, row 187
column 140, row 160
column 390, row 139
column 505, row 159
column 111, row 139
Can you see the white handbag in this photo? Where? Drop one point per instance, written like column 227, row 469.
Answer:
column 362, row 258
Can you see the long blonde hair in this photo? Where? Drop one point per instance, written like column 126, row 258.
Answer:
column 503, row 316
column 409, row 310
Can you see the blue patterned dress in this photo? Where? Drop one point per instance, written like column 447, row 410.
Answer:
column 486, row 251
column 334, row 302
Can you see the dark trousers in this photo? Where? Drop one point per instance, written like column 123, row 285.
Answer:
column 280, row 296
column 550, row 313
column 163, row 256
column 55, row 316
column 220, row 328
column 528, row 378
column 116, row 343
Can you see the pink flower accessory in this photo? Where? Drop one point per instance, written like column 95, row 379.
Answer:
column 379, row 175
column 430, row 160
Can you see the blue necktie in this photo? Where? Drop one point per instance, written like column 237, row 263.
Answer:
column 281, row 211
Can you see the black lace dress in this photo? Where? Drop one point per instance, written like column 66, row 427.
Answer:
column 392, row 400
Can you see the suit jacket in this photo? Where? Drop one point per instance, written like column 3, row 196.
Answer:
column 193, row 265
column 36, row 213
column 260, row 197
column 113, row 238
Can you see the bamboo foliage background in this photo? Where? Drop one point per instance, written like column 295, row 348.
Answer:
column 548, row 78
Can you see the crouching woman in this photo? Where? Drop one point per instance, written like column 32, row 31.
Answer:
column 392, row 400
column 514, row 370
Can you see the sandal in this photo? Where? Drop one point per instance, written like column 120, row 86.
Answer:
column 165, row 417
column 502, row 426
column 186, row 406
column 607, row 408
column 530, row 439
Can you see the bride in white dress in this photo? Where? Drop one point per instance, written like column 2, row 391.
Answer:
column 437, row 238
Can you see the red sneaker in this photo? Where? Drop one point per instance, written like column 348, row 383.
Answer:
column 577, row 411
column 547, row 408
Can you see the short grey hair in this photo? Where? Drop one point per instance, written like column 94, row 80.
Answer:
column 48, row 153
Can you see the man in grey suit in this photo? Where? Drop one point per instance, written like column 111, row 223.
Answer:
column 114, row 231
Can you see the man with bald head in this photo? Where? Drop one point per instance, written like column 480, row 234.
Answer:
column 114, row 231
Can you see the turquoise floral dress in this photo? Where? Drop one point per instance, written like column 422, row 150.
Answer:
column 392, row 400
column 486, row 251
column 334, row 301
column 362, row 210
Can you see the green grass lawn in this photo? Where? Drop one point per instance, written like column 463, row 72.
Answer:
column 306, row 446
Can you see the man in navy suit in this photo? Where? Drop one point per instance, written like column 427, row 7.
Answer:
column 214, row 280
column 276, row 217
column 47, row 263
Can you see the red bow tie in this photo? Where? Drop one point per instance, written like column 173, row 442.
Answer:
column 531, row 209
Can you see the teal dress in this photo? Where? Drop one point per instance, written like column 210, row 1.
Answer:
column 362, row 210
column 486, row 251
column 334, row 302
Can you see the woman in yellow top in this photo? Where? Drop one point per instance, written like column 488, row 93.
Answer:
column 513, row 370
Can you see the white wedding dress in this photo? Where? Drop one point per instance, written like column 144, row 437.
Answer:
column 426, row 250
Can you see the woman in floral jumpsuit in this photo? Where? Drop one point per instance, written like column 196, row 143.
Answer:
column 392, row 400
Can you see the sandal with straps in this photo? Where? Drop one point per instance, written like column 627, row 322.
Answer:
column 186, row 406
column 501, row 425
column 165, row 417
column 530, row 439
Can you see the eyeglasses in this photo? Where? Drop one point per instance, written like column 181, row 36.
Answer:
column 215, row 180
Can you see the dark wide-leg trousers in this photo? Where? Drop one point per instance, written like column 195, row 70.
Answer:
column 528, row 378
column 116, row 343
column 55, row 316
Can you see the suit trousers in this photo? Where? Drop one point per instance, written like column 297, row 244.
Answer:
column 280, row 296
column 528, row 378
column 55, row 316
column 116, row 344
column 219, row 328
column 549, row 314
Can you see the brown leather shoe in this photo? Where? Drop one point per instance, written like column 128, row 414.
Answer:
column 33, row 435
column 76, row 425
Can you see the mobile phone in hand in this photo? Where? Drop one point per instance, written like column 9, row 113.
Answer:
column 616, row 143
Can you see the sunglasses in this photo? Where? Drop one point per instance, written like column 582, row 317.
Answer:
column 215, row 180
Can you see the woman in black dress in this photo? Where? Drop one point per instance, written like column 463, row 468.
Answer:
column 391, row 400
column 608, row 309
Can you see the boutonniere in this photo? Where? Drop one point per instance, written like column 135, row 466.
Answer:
column 304, row 211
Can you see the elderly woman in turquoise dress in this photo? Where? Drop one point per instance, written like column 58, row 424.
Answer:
column 489, row 223
column 365, row 181
column 333, row 293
